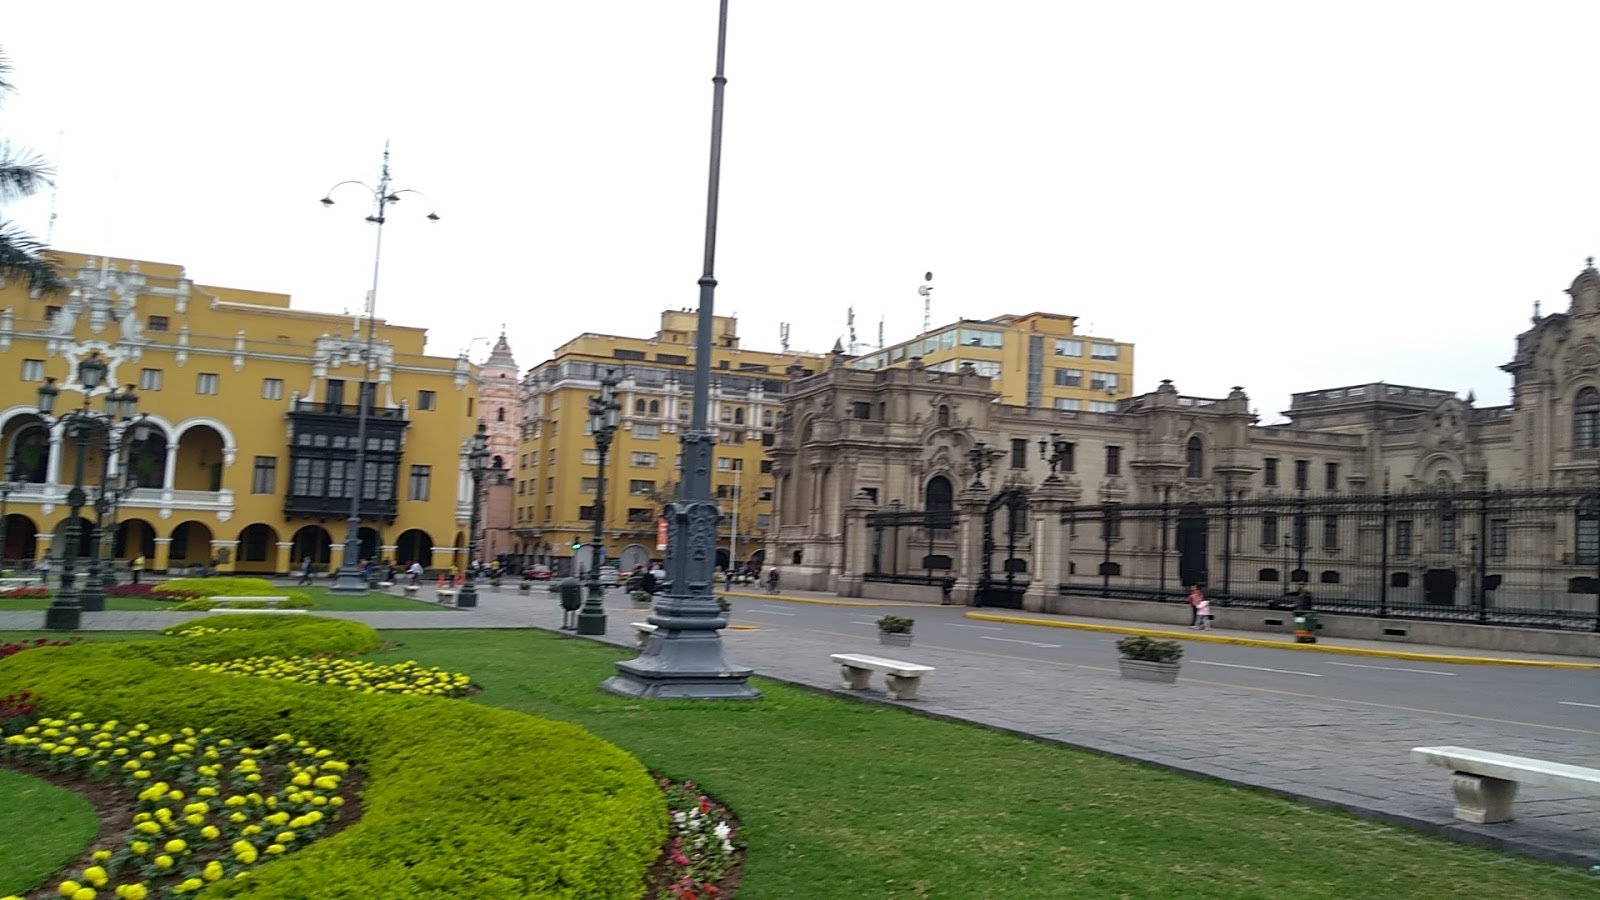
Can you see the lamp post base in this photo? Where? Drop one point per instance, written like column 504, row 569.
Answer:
column 468, row 598
column 685, row 660
column 592, row 618
column 348, row 582
column 63, row 616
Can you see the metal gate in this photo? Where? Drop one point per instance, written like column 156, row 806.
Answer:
column 1005, row 591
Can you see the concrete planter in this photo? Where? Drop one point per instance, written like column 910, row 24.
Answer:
column 895, row 639
column 1144, row 670
column 525, row 587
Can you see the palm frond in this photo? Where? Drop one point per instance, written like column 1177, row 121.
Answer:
column 6, row 86
column 22, row 172
column 24, row 256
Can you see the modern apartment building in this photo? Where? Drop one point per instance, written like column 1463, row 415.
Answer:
column 557, row 461
column 1034, row 360
column 242, row 457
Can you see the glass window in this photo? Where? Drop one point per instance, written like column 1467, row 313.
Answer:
column 427, row 400
column 1330, row 532
column 421, row 476
column 1402, row 537
column 1269, row 472
column 1069, row 404
column 644, row 460
column 1103, row 351
column 647, row 432
column 1103, row 406
column 1103, row 381
column 1197, row 458
column 1019, row 453
column 1069, row 378
column 265, row 480
column 1498, row 538
column 1447, row 526
column 1113, row 461
column 272, row 388
column 974, row 337
column 149, row 379
column 1331, row 471
column 33, row 370
column 1586, row 420
column 206, row 383
column 1069, row 348
column 589, row 485
column 1269, row 530
column 157, row 323
column 641, row 487
column 1302, row 474
column 591, row 457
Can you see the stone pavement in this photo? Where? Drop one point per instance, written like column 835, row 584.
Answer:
column 1340, row 754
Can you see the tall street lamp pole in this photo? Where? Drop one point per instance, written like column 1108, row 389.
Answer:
column 477, row 455
column 604, row 413
column 349, row 579
column 6, row 487
column 686, row 660
column 93, row 597
column 65, row 611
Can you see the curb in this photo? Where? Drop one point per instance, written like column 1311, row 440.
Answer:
column 788, row 599
column 1287, row 645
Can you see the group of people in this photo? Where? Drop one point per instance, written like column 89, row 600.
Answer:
column 1200, row 606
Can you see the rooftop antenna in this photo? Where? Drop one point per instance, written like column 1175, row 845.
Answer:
column 783, row 335
column 854, row 344
column 927, row 302
column 880, row 332
column 55, row 186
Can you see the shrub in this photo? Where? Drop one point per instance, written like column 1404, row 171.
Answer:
column 1148, row 649
column 896, row 624
column 148, row 589
column 194, row 592
column 460, row 800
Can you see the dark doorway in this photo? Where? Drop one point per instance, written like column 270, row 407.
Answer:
column 1439, row 587
column 1192, row 545
column 1006, row 591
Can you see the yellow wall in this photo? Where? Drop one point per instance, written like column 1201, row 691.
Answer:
column 244, row 339
column 550, row 460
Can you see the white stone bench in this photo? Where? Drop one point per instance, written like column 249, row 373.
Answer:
column 1485, row 782
column 902, row 678
column 411, row 590
column 445, row 596
column 228, row 602
column 644, row 631
column 276, row 612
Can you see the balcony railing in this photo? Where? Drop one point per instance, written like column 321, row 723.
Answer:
column 321, row 507
column 320, row 407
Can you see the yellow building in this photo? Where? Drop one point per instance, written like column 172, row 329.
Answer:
column 557, row 461
column 1037, row 359
column 244, row 456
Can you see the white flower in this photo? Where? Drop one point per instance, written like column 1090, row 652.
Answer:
column 722, row 831
column 678, row 817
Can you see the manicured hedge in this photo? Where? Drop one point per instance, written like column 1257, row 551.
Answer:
column 202, row 588
column 462, row 800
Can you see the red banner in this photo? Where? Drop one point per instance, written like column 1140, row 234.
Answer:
column 661, row 533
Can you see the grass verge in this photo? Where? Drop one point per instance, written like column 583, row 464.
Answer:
column 844, row 799
column 45, row 828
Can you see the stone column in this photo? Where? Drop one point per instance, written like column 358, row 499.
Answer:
column 1048, row 502
column 53, row 465
column 170, row 473
column 858, row 546
column 970, row 507
column 163, row 555
column 335, row 556
column 230, row 549
column 284, row 565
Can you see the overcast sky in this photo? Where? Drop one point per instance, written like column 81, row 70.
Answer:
column 1284, row 196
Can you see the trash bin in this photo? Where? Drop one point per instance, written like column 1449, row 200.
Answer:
column 1305, row 627
column 571, row 601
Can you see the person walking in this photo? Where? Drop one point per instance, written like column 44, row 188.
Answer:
column 1202, row 609
column 772, row 580
column 1195, row 598
column 305, row 571
column 138, row 568
column 415, row 571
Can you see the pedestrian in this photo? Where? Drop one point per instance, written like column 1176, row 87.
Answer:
column 1202, row 610
column 138, row 568
column 772, row 580
column 44, row 570
column 415, row 571
column 1196, row 596
column 305, row 570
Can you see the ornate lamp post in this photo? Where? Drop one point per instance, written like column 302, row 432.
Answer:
column 981, row 456
column 65, row 610
column 604, row 413
column 6, row 487
column 1058, row 452
column 686, row 660
column 476, row 457
column 93, row 596
column 348, row 579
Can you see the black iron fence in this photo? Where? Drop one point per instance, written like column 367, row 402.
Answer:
column 911, row 547
column 1520, row 558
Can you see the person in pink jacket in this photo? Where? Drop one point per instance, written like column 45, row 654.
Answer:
column 1201, row 607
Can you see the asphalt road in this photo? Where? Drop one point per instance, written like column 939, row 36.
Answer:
column 1562, row 699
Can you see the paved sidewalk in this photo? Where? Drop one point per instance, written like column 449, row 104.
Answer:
column 1341, row 754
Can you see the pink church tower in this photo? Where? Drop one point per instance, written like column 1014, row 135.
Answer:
column 502, row 415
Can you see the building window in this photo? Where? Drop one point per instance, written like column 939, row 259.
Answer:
column 157, row 323
column 1269, row 472
column 206, row 383
column 586, row 513
column 272, row 388
column 265, row 480
column 638, row 407
column 1102, row 381
column 1197, row 458
column 1498, row 538
column 1113, row 461
column 52, row 313
column 1302, row 532
column 1302, row 474
column 1447, row 526
column 591, row 457
column 738, row 416
column 1019, row 453
column 764, row 495
column 766, row 467
column 427, row 400
column 149, row 379
column 641, row 515
column 1111, row 523
column 1069, row 348
column 1103, row 351
column 421, row 478
column 655, row 407
column 33, row 370
column 1330, row 532
column 1331, row 470
column 1069, row 378
column 944, row 416
column 769, row 439
column 641, row 488
column 1068, row 404
column 1588, row 543
column 1402, row 537
column 730, row 464
column 644, row 460
column 939, row 500
column 588, row 485
column 1269, row 530
column 1102, row 406
column 766, row 418
column 861, row 410
column 647, row 432
column 1586, row 420
column 500, row 414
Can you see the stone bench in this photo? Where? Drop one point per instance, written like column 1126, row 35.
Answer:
column 1485, row 782
column 228, row 602
column 445, row 596
column 902, row 678
column 644, row 630
column 275, row 612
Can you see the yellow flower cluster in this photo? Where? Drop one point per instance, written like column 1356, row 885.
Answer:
column 208, row 808
column 365, row 677
column 196, row 630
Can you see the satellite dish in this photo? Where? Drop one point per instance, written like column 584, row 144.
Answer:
column 927, row 276
column 925, row 290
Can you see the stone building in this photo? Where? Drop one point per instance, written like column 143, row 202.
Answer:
column 914, row 483
column 500, row 403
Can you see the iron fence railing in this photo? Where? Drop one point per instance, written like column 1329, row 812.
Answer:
column 1519, row 558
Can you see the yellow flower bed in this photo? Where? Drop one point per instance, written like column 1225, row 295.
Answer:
column 209, row 807
column 408, row 677
column 196, row 630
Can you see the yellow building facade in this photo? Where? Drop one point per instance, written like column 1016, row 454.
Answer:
column 242, row 458
column 1038, row 360
column 557, row 463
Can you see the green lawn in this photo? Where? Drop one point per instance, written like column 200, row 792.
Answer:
column 45, row 828
column 374, row 601
column 844, row 799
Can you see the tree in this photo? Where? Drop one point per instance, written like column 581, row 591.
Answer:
column 22, row 174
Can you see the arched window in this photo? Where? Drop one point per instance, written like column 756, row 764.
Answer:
column 1586, row 420
column 500, row 414
column 738, row 416
column 655, row 407
column 766, row 418
column 944, row 416
column 1197, row 458
column 638, row 407
column 938, row 499
column 1447, row 525
column 1588, row 533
